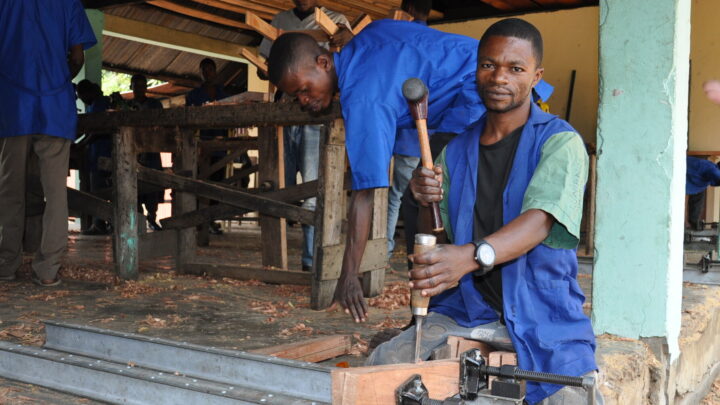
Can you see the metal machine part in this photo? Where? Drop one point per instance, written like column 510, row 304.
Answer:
column 507, row 389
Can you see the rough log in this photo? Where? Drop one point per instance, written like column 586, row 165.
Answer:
column 218, row 116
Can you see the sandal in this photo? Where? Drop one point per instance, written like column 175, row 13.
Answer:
column 42, row 283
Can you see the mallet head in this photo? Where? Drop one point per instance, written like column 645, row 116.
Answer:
column 414, row 90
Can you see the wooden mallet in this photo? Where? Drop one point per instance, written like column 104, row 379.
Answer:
column 416, row 94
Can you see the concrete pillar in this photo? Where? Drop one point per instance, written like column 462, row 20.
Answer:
column 93, row 56
column 642, row 137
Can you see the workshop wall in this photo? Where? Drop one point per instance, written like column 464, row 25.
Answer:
column 705, row 65
column 571, row 42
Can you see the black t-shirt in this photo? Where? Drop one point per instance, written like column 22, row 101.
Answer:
column 494, row 166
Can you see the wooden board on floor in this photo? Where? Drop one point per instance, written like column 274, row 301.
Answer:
column 312, row 350
column 249, row 273
column 376, row 385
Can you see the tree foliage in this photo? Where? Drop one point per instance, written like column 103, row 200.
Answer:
column 120, row 82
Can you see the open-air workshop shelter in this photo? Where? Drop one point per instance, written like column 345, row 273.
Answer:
column 627, row 75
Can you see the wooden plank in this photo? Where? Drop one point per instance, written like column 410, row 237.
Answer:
column 374, row 258
column 195, row 13
column 157, row 35
column 185, row 160
column 329, row 212
column 271, row 162
column 312, row 350
column 360, row 23
column 245, row 142
column 217, row 116
column 376, row 385
column 125, row 212
column 255, row 60
column 249, row 273
column 238, row 175
column 459, row 345
column 400, row 15
column 324, row 22
column 262, row 27
column 155, row 139
column 227, row 195
column 235, row 8
column 222, row 163
column 158, row 244
column 86, row 203
column 373, row 279
column 260, row 8
column 222, row 211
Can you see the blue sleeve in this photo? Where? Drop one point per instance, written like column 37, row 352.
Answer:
column 369, row 138
column 80, row 30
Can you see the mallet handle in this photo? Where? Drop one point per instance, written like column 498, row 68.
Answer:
column 427, row 162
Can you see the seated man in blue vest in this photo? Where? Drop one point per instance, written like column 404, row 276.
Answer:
column 369, row 73
column 511, row 192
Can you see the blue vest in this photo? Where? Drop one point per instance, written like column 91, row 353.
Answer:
column 542, row 299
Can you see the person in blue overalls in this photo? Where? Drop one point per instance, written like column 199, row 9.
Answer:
column 369, row 73
column 701, row 174
column 511, row 191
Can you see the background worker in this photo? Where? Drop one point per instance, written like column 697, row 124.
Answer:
column 140, row 101
column 99, row 147
column 369, row 73
column 406, row 151
column 301, row 145
column 511, row 191
column 42, row 52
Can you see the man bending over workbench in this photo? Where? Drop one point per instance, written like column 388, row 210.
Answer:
column 369, row 73
column 510, row 190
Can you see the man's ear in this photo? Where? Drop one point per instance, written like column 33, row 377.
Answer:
column 538, row 75
column 323, row 62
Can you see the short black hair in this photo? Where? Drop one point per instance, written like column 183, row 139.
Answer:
column 288, row 52
column 138, row 77
column 85, row 86
column 421, row 7
column 517, row 28
column 207, row 61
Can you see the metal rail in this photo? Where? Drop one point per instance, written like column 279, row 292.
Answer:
column 134, row 369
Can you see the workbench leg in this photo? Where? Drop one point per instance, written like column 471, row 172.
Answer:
column 125, row 209
column 203, row 230
column 271, row 171
column 329, row 213
column 185, row 160
column 374, row 278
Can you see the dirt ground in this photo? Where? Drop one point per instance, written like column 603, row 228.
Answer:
column 220, row 312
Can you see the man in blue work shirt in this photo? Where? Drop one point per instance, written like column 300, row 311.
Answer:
column 701, row 174
column 369, row 73
column 42, row 51
column 510, row 190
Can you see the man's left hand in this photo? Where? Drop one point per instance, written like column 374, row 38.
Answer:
column 444, row 267
column 341, row 37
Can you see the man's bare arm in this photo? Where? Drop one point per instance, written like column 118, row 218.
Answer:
column 349, row 290
column 76, row 58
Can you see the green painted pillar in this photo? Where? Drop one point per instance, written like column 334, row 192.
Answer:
column 642, row 138
column 92, row 69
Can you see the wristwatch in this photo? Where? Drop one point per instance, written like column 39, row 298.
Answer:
column 484, row 255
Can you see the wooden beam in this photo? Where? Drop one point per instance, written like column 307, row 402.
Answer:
column 234, row 7
column 360, row 23
column 86, row 203
column 185, row 159
column 227, row 195
column 376, row 385
column 220, row 116
column 222, row 163
column 374, row 258
column 271, row 165
column 268, row 31
column 222, row 211
column 325, row 22
column 251, row 57
column 202, row 15
column 313, row 350
column 249, row 273
column 400, row 15
column 261, row 8
column 180, row 80
column 158, row 244
column 125, row 212
column 152, row 34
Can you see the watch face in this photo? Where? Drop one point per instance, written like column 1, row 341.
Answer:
column 486, row 254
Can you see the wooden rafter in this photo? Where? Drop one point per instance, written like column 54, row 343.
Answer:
column 232, row 7
column 195, row 13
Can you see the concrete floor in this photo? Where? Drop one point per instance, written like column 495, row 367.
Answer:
column 223, row 313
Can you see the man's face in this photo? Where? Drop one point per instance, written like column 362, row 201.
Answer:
column 139, row 88
column 305, row 5
column 87, row 97
column 506, row 73
column 208, row 72
column 312, row 85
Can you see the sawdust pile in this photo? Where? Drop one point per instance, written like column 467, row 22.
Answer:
column 389, row 323
column 394, row 296
column 31, row 333
column 49, row 296
column 132, row 289
column 713, row 397
column 359, row 346
column 299, row 329
column 151, row 321
column 89, row 274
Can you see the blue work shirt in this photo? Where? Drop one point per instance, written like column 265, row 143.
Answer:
column 101, row 145
column 701, row 174
column 37, row 93
column 371, row 69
